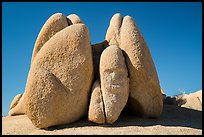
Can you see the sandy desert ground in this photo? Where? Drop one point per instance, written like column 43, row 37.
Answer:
column 173, row 121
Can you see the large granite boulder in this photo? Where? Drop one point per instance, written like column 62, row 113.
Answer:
column 60, row 78
column 53, row 25
column 96, row 107
column 114, row 82
column 114, row 89
column 145, row 94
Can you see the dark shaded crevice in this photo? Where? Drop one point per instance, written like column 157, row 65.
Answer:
column 104, row 111
column 97, row 50
column 199, row 101
column 69, row 22
column 172, row 116
column 119, row 42
column 135, row 107
column 126, row 58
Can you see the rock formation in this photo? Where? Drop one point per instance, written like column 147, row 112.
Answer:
column 145, row 94
column 64, row 66
column 114, row 82
column 193, row 100
column 53, row 25
column 17, row 106
column 96, row 107
column 53, row 93
column 111, row 98
column 15, row 100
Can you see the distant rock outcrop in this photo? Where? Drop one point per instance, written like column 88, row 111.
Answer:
column 192, row 100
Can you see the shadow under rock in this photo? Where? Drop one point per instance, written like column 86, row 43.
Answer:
column 83, row 122
column 172, row 115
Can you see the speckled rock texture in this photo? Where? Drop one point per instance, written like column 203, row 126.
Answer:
column 60, row 78
column 53, row 25
column 15, row 100
column 114, row 82
column 145, row 94
column 96, row 107
column 111, row 98
column 17, row 105
column 64, row 66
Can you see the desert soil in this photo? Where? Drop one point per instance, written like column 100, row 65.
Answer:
column 173, row 121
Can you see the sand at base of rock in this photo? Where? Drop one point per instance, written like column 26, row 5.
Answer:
column 174, row 120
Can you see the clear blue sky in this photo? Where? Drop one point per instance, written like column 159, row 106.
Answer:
column 173, row 33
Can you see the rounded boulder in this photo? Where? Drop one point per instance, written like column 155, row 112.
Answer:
column 60, row 78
